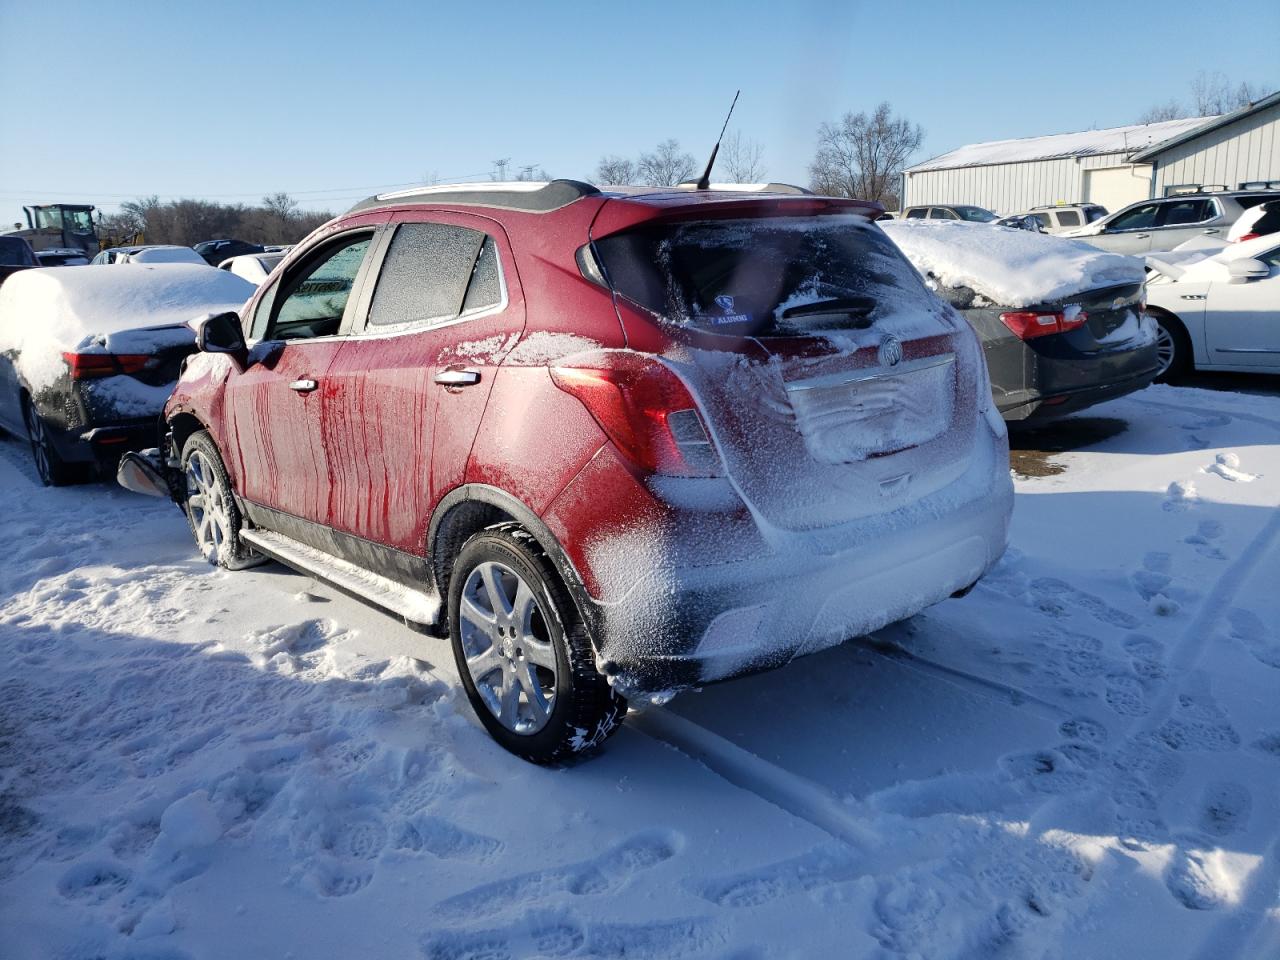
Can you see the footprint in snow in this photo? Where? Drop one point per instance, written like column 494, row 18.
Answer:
column 1058, row 598
column 1247, row 628
column 1207, row 532
column 1224, row 808
column 561, row 934
column 1180, row 495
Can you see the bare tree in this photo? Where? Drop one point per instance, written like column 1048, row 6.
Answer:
column 862, row 156
column 1172, row 110
column 1211, row 94
column 666, row 165
column 615, row 170
column 742, row 159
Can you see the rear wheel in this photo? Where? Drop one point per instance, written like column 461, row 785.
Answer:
column 210, row 507
column 523, row 652
column 53, row 471
column 1173, row 349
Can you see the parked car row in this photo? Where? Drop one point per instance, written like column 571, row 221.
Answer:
column 612, row 442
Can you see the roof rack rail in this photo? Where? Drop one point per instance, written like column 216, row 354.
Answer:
column 748, row 187
column 533, row 196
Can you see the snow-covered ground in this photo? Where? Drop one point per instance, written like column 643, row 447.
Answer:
column 1079, row 760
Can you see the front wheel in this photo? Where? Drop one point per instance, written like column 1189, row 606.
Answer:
column 523, row 652
column 211, row 509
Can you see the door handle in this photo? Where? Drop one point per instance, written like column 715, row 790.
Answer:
column 1141, row 236
column 303, row 386
column 1211, row 230
column 458, row 378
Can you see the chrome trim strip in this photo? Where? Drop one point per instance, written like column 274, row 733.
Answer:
column 1243, row 350
column 870, row 373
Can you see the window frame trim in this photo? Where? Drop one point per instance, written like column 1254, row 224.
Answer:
column 362, row 329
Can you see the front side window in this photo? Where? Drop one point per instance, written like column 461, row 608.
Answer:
column 432, row 273
column 1139, row 218
column 1094, row 213
column 315, row 299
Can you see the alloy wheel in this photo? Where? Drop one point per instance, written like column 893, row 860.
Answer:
column 207, row 502
column 508, row 648
column 39, row 444
column 1166, row 349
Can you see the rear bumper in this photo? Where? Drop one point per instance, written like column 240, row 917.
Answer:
column 680, row 626
column 103, row 442
column 1037, row 406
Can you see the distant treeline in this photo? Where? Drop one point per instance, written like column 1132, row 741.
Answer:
column 276, row 220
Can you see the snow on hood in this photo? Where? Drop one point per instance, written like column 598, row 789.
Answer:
column 1012, row 268
column 46, row 311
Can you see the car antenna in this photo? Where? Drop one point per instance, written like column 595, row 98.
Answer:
column 704, row 182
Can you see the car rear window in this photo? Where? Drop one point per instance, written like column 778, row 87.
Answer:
column 764, row 277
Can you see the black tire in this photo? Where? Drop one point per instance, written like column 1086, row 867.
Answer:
column 211, row 509
column 1174, row 334
column 585, row 710
column 51, row 468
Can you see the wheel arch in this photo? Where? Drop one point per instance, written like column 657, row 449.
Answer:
column 1164, row 313
column 182, row 425
column 467, row 510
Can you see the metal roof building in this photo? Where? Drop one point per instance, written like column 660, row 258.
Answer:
column 1113, row 167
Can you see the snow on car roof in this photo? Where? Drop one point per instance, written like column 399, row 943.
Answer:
column 50, row 309
column 1012, row 268
column 1086, row 143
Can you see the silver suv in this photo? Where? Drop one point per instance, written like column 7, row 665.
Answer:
column 1165, row 222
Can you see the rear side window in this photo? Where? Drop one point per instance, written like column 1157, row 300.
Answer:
column 1068, row 218
column 432, row 272
column 1180, row 212
column 765, row 277
column 942, row 213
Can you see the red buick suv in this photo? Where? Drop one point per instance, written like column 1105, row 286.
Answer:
column 613, row 442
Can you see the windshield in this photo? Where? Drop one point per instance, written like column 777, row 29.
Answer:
column 975, row 214
column 15, row 253
column 54, row 218
column 763, row 277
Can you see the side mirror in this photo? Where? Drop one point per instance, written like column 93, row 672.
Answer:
column 1242, row 271
column 220, row 333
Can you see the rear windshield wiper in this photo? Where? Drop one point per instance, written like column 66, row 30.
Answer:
column 837, row 306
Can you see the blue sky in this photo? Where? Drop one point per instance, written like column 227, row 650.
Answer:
column 230, row 100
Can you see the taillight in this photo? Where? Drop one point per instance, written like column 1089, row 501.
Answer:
column 1248, row 236
column 90, row 366
column 1028, row 324
column 645, row 409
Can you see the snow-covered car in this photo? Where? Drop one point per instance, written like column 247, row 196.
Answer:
column 89, row 356
column 148, row 253
column 254, row 267
column 1221, row 312
column 1061, row 323
column 61, row 257
column 696, row 434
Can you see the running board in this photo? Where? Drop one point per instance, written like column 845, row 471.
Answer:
column 418, row 609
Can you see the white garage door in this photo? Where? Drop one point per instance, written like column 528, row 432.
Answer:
column 1116, row 187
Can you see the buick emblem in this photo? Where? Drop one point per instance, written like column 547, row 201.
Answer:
column 890, row 352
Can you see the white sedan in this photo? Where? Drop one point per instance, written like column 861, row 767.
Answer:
column 254, row 267
column 1219, row 313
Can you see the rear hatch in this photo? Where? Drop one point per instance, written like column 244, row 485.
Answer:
column 836, row 385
